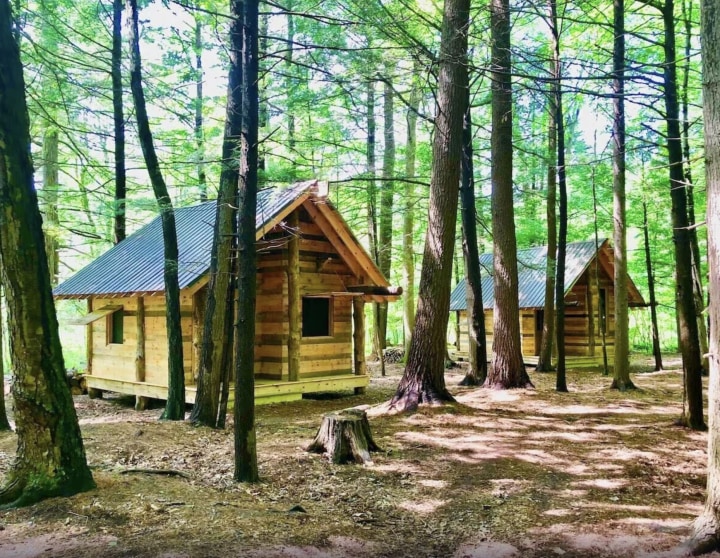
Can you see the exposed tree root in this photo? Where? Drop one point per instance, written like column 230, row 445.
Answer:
column 706, row 535
column 471, row 380
column 409, row 398
column 622, row 385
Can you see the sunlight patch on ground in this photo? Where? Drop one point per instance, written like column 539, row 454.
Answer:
column 610, row 484
column 432, row 483
column 339, row 547
column 421, row 507
column 486, row 549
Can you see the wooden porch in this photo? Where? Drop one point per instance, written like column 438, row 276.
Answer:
column 266, row 391
column 532, row 360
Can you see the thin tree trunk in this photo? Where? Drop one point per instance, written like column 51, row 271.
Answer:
column 690, row 189
column 651, row 293
column 409, row 215
column 621, row 364
column 246, row 468
column 596, row 267
column 508, row 370
column 175, row 407
column 199, row 101
column 386, row 205
column 548, row 332
column 50, row 459
column 119, row 225
column 50, row 198
column 685, row 302
column 216, row 353
column 477, row 347
column 424, row 380
column 560, row 383
column 706, row 530
column 290, row 85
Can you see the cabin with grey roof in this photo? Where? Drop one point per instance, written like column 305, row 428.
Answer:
column 331, row 279
column 589, row 301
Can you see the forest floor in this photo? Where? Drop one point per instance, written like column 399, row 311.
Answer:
column 526, row 473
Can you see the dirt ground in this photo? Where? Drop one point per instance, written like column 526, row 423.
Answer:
column 526, row 473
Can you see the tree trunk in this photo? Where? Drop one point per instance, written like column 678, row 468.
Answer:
column 50, row 459
column 4, row 423
column 548, row 332
column 684, row 298
column 508, row 370
column 596, row 267
column 290, row 87
column 651, row 294
column 423, row 380
column 50, row 199
column 119, row 125
column 175, row 407
column 560, row 383
column 216, row 353
column 706, row 530
column 246, row 468
column 408, row 253
column 690, row 188
column 477, row 347
column 199, row 101
column 621, row 364
column 386, row 206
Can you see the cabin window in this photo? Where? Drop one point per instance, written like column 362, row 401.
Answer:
column 602, row 310
column 115, row 327
column 316, row 316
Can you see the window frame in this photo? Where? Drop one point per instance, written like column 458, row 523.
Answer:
column 330, row 321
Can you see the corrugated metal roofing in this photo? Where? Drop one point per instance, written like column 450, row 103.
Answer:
column 136, row 264
column 531, row 275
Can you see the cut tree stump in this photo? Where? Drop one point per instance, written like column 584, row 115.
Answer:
column 345, row 437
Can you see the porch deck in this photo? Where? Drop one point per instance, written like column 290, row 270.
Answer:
column 532, row 360
column 266, row 391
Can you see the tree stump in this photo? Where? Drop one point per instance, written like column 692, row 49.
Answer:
column 345, row 437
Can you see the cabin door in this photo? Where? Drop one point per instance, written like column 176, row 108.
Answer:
column 539, row 324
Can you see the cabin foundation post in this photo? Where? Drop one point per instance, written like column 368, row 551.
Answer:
column 141, row 403
column 92, row 392
column 293, row 273
column 359, row 367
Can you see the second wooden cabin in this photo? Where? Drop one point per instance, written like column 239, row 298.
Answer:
column 313, row 280
column 589, row 300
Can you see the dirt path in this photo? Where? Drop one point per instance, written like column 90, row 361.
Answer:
column 528, row 473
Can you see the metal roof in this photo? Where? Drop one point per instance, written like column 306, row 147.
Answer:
column 531, row 275
column 136, row 264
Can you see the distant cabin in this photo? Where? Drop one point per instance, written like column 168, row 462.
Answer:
column 335, row 276
column 589, row 300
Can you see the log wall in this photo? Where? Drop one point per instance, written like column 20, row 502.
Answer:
column 118, row 360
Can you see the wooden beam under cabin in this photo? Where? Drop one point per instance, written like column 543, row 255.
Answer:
column 293, row 274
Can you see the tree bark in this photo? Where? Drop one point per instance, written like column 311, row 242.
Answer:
column 4, row 423
column 246, row 468
column 345, row 437
column 508, row 370
column 621, row 362
column 50, row 459
column 477, row 348
column 216, row 353
column 706, row 530
column 175, row 407
column 423, row 380
column 119, row 212
column 684, row 297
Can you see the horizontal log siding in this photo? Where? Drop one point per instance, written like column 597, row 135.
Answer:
column 118, row 360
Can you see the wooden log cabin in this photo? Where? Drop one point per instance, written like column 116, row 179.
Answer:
column 313, row 280
column 589, row 302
